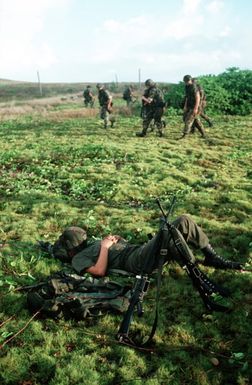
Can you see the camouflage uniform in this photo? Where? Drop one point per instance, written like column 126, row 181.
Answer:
column 203, row 105
column 128, row 96
column 72, row 246
column 104, row 98
column 154, row 110
column 189, row 117
column 131, row 258
column 88, row 97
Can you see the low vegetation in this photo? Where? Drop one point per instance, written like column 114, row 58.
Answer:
column 59, row 167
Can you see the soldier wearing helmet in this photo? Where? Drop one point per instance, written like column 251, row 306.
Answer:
column 128, row 95
column 202, row 102
column 152, row 108
column 114, row 252
column 105, row 101
column 72, row 240
column 191, row 108
column 88, row 97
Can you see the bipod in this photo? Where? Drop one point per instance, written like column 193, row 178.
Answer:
column 201, row 282
column 139, row 289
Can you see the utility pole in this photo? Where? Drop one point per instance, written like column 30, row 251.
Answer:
column 40, row 85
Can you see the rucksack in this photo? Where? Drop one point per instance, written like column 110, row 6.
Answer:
column 159, row 98
column 126, row 94
column 66, row 295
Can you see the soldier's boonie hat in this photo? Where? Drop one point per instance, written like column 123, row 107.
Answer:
column 99, row 85
column 186, row 78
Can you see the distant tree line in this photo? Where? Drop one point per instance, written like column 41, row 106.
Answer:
column 228, row 93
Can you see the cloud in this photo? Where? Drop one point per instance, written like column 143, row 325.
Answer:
column 195, row 36
column 214, row 7
column 190, row 6
column 226, row 31
column 21, row 34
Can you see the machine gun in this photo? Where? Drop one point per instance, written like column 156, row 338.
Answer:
column 206, row 287
column 139, row 290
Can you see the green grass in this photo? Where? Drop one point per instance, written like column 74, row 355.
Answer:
column 61, row 170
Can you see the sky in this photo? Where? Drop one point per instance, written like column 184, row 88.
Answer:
column 125, row 41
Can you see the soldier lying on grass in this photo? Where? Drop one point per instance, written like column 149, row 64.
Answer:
column 114, row 252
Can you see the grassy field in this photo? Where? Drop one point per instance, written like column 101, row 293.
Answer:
column 59, row 167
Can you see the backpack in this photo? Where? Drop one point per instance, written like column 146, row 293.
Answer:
column 66, row 295
column 159, row 98
column 126, row 94
column 86, row 94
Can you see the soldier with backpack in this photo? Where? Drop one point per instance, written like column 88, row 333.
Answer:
column 105, row 101
column 128, row 95
column 88, row 97
column 74, row 295
column 202, row 102
column 152, row 108
column 191, row 108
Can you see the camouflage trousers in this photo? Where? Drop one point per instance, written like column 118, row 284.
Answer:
column 104, row 115
column 89, row 102
column 191, row 120
column 153, row 113
column 192, row 234
column 205, row 117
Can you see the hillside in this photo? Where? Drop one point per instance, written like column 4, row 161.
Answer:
column 11, row 90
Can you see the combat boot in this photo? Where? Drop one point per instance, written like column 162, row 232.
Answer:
column 215, row 260
column 140, row 134
column 202, row 131
column 182, row 137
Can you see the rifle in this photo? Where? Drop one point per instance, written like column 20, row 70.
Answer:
column 139, row 290
column 202, row 283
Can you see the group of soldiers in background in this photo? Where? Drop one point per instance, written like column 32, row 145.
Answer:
column 153, row 105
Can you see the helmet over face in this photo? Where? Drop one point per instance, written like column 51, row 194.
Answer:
column 73, row 239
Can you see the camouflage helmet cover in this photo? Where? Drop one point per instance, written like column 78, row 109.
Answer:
column 149, row 83
column 71, row 238
column 186, row 78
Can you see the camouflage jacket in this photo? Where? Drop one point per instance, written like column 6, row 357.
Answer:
column 104, row 97
column 157, row 95
column 191, row 91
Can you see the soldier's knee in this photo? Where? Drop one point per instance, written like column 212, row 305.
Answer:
column 184, row 220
